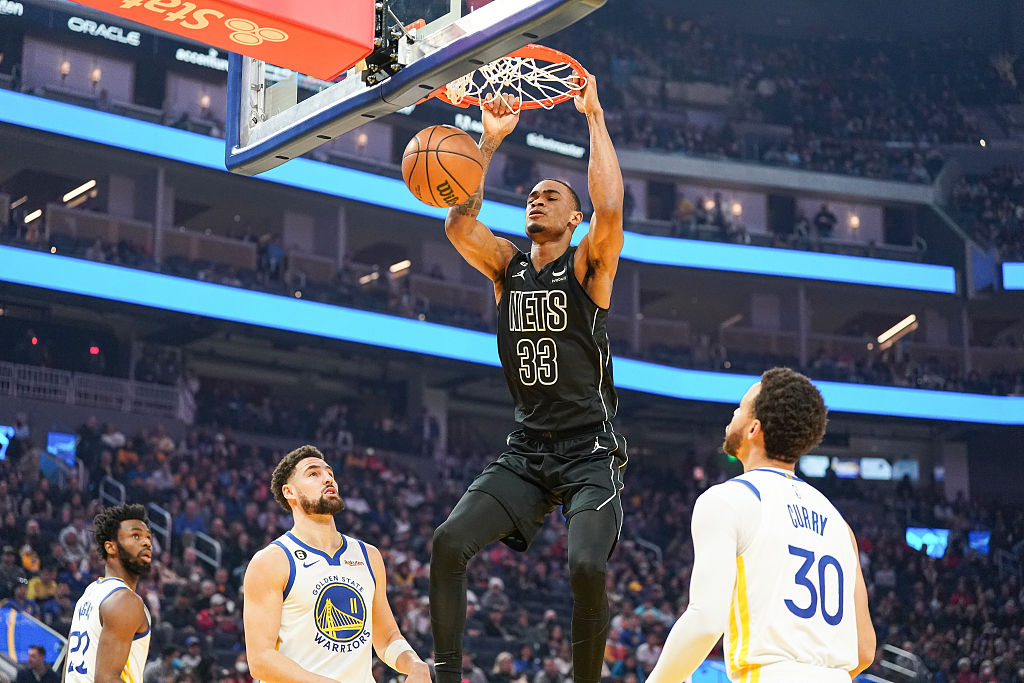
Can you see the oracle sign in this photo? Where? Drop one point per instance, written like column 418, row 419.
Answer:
column 320, row 38
column 114, row 33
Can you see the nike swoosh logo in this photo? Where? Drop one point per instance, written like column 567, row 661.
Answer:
column 307, row 566
column 559, row 273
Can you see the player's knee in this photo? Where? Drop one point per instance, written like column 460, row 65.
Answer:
column 450, row 545
column 587, row 573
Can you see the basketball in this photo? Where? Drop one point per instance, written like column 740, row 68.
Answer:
column 441, row 165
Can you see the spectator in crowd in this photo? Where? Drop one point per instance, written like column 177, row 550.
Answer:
column 471, row 673
column 37, row 671
column 10, row 572
column 165, row 668
column 504, row 670
column 549, row 672
column 825, row 222
column 526, row 664
column 19, row 601
column 43, row 587
column 495, row 598
column 189, row 521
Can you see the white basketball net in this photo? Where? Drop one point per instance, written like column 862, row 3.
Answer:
column 519, row 76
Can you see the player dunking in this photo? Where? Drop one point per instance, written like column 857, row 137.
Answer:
column 776, row 568
column 315, row 601
column 553, row 343
column 109, row 638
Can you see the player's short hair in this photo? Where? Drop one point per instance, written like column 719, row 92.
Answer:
column 792, row 414
column 285, row 468
column 577, row 204
column 107, row 523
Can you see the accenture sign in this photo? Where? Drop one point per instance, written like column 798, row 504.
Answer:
column 211, row 59
column 8, row 7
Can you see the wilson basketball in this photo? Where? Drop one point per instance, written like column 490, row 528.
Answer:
column 442, row 166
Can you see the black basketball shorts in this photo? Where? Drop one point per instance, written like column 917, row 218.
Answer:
column 533, row 477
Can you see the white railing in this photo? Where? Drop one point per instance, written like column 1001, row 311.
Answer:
column 211, row 553
column 112, row 492
column 160, row 522
column 1007, row 563
column 80, row 389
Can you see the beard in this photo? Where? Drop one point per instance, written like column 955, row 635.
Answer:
column 130, row 564
column 732, row 443
column 322, row 506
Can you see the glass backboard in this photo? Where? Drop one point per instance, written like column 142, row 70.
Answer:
column 275, row 114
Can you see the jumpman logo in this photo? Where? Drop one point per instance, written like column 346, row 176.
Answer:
column 597, row 445
column 522, row 274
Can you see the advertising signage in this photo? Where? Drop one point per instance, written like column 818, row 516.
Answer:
column 113, row 35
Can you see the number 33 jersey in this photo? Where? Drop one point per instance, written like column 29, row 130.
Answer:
column 553, row 345
column 796, row 570
column 84, row 639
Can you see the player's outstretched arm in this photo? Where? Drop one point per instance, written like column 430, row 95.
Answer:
column 122, row 615
column 865, row 630
column 714, row 527
column 263, row 591
column 477, row 244
column 598, row 253
column 391, row 647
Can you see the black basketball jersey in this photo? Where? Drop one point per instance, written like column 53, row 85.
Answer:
column 553, row 345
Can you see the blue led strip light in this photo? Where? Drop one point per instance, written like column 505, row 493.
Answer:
column 170, row 143
column 115, row 283
column 1013, row 276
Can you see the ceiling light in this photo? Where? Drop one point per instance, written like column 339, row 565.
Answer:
column 400, row 266
column 729, row 322
column 897, row 331
column 34, row 215
column 19, row 202
column 81, row 189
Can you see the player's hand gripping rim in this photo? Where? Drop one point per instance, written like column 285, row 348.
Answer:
column 500, row 114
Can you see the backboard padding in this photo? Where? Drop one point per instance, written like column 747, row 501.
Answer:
column 448, row 48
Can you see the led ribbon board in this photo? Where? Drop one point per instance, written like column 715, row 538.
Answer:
column 1013, row 276
column 192, row 148
column 115, row 283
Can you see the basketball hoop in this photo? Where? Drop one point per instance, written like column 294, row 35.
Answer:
column 539, row 76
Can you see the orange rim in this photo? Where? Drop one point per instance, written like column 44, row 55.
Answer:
column 539, row 52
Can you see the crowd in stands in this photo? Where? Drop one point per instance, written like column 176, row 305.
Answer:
column 373, row 288
column 832, row 95
column 893, row 367
column 868, row 107
column 957, row 614
column 991, row 206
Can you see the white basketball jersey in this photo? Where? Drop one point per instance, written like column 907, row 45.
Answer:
column 327, row 618
column 84, row 639
column 793, row 616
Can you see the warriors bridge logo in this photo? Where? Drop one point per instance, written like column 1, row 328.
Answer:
column 341, row 616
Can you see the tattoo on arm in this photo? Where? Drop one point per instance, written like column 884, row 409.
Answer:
column 471, row 207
